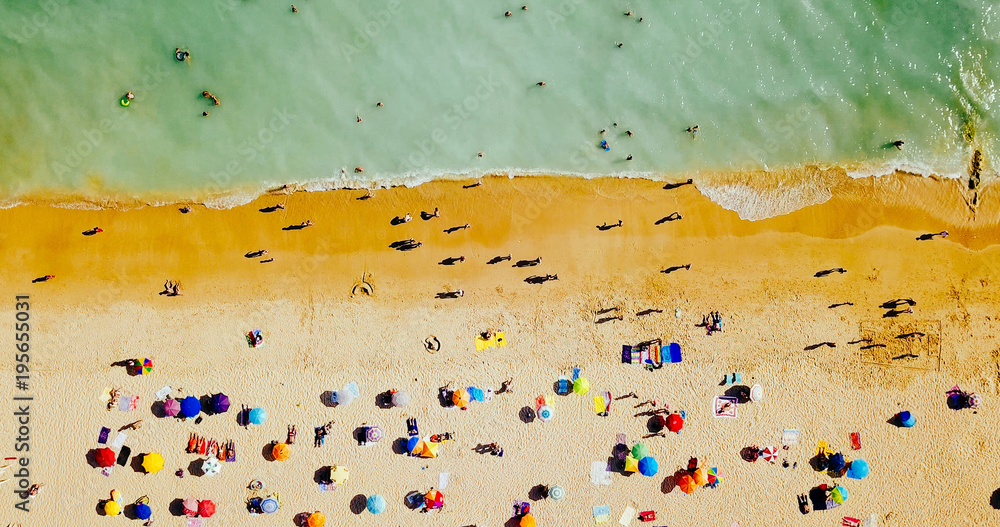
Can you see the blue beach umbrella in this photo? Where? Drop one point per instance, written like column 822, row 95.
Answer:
column 269, row 505
column 858, row 469
column 411, row 443
column 257, row 416
column 376, row 504
column 648, row 466
column 190, row 406
column 143, row 511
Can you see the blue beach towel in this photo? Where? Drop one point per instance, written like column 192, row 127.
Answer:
column 675, row 353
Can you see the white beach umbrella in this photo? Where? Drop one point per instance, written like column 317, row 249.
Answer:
column 545, row 413
column 211, row 466
column 756, row 393
column 400, row 399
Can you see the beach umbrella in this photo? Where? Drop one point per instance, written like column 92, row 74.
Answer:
column 858, row 469
column 675, row 423
column 270, row 505
column 206, row 508
column 631, row 464
column 373, row 434
column 837, row 463
column 527, row 521
column 376, row 504
column 344, row 397
column 713, row 477
column 143, row 511
column 411, row 445
column 428, row 449
column 190, row 506
column 756, row 393
column 147, row 367
column 112, row 508
column 316, row 519
column 211, row 466
column 648, row 466
column 257, row 416
column 339, row 474
column 581, row 386
column 105, row 457
column 152, row 462
column 460, row 398
column 556, row 492
column 770, row 454
column 640, row 451
column 686, row 483
column 545, row 413
column 171, row 407
column 190, row 406
column 975, row 400
column 434, row 499
column 281, row 452
column 400, row 399
column 700, row 477
column 220, row 402
column 839, row 494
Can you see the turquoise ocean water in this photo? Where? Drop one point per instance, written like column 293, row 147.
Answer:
column 771, row 84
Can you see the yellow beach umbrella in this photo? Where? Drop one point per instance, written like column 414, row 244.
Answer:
column 112, row 508
column 700, row 477
column 339, row 474
column 281, row 452
column 316, row 519
column 581, row 386
column 152, row 462
column 527, row 520
column 460, row 398
column 631, row 464
column 428, row 449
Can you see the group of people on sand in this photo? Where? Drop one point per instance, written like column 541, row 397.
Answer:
column 171, row 288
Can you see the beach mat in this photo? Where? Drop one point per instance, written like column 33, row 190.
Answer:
column 599, row 474
column 602, row 513
column 627, row 516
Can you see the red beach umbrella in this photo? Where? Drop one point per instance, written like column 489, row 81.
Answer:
column 675, row 423
column 105, row 457
column 206, row 508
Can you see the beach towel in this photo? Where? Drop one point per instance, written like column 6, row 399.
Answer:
column 627, row 515
column 102, row 438
column 576, row 374
column 352, row 388
column 476, row 394
column 871, row 521
column 674, row 353
column 119, row 440
column 636, row 357
column 599, row 474
column 602, row 513
column 327, row 487
column 655, row 354
column 719, row 402
column 163, row 393
column 107, row 470
column 443, row 479
column 790, row 437
column 626, row 354
column 501, row 338
column 195, row 522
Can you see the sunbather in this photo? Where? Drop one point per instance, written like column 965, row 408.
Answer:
column 292, row 432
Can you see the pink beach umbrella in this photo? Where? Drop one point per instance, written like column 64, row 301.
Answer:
column 191, row 507
column 172, row 407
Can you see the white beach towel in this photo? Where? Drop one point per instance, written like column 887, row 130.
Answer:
column 599, row 474
column 627, row 516
column 443, row 479
column 871, row 521
column 119, row 440
column 163, row 393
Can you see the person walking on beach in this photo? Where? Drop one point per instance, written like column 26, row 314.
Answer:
column 693, row 130
column 931, row 235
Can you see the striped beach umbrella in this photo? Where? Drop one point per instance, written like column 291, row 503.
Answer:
column 545, row 413
column 770, row 454
column 434, row 499
column 373, row 434
column 714, row 477
column 147, row 367
column 211, row 466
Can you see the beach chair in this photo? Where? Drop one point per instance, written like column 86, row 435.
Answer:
column 855, row 441
column 411, row 427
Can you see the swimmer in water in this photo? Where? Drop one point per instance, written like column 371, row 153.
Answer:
column 182, row 55
column 129, row 95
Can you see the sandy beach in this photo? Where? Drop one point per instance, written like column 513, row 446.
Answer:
column 103, row 305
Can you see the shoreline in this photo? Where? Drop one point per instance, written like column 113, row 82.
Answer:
column 754, row 194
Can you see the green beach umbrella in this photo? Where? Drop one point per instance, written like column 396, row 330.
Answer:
column 581, row 386
column 640, row 451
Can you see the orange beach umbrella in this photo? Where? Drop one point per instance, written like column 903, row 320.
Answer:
column 281, row 452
